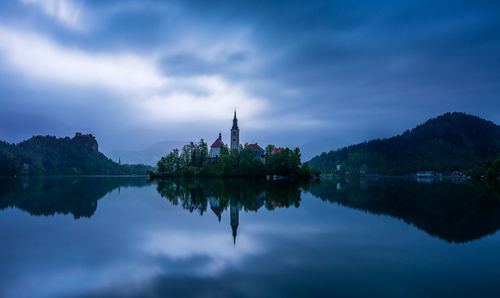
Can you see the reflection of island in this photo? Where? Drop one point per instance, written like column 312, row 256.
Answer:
column 455, row 213
column 48, row 196
column 232, row 195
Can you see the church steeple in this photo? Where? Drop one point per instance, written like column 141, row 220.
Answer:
column 235, row 121
column 235, row 134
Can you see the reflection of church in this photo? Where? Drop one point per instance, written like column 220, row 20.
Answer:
column 235, row 220
column 234, row 211
column 215, row 205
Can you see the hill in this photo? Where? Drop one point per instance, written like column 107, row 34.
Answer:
column 48, row 155
column 453, row 141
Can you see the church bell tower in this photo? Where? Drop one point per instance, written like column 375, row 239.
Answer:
column 235, row 134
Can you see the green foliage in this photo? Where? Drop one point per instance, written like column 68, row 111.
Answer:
column 453, row 141
column 194, row 161
column 48, row 155
column 269, row 149
column 489, row 171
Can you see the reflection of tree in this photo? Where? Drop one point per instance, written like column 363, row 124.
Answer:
column 47, row 196
column 455, row 213
column 232, row 195
column 250, row 195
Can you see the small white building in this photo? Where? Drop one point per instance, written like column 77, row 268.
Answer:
column 215, row 149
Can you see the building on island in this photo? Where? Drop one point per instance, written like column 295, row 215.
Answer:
column 255, row 148
column 215, row 149
column 235, row 134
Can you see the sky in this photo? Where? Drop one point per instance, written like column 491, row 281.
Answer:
column 314, row 74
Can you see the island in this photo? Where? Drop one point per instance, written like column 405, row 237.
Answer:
column 237, row 160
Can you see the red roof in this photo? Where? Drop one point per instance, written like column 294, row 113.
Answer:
column 254, row 147
column 276, row 150
column 217, row 143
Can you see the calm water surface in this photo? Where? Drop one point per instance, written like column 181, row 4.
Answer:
column 127, row 237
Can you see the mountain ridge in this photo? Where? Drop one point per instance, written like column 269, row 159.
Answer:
column 49, row 155
column 452, row 141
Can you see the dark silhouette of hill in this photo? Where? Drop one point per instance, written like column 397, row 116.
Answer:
column 51, row 195
column 452, row 212
column 453, row 141
column 51, row 156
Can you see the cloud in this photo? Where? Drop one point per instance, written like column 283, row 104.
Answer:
column 64, row 11
column 136, row 80
column 219, row 98
column 40, row 58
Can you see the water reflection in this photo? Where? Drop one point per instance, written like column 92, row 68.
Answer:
column 245, row 238
column 231, row 195
column 49, row 196
column 453, row 212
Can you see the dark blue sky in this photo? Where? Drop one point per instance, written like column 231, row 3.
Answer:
column 313, row 74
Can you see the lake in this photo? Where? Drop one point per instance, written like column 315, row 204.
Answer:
column 129, row 237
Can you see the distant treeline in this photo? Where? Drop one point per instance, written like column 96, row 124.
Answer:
column 48, row 155
column 453, row 141
column 193, row 160
column 489, row 171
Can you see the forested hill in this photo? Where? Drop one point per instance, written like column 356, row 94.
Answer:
column 453, row 141
column 55, row 156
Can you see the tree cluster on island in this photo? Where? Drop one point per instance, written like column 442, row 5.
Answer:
column 193, row 160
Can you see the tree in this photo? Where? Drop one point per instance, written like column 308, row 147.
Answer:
column 269, row 149
column 297, row 154
column 224, row 150
column 203, row 150
column 246, row 163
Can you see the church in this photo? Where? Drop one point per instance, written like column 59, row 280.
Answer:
column 215, row 149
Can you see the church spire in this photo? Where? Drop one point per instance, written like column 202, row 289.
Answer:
column 235, row 121
column 235, row 134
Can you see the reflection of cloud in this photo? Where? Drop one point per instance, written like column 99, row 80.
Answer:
column 66, row 282
column 217, row 247
column 64, row 11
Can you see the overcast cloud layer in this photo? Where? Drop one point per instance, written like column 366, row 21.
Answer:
column 314, row 74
